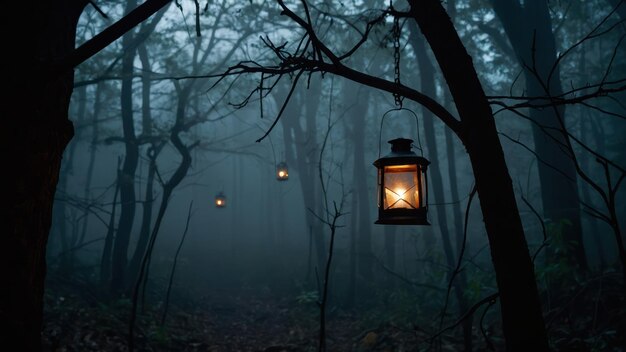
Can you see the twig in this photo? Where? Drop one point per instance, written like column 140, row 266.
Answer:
column 180, row 245
column 98, row 9
column 482, row 329
column 460, row 259
column 489, row 299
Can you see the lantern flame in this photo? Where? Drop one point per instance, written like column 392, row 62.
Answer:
column 399, row 198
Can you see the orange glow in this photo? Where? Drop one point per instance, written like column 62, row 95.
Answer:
column 400, row 168
column 282, row 173
column 399, row 198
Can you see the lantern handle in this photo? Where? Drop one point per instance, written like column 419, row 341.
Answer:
column 380, row 133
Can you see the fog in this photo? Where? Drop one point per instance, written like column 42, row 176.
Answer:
column 255, row 274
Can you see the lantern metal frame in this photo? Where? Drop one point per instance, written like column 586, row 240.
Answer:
column 402, row 155
column 220, row 197
column 282, row 167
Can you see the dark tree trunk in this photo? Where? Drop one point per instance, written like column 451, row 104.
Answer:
column 40, row 74
column 152, row 153
column 427, row 83
column 522, row 319
column 34, row 138
column 105, row 259
column 127, row 178
column 529, row 29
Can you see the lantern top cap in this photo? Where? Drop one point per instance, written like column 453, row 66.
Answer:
column 401, row 145
column 401, row 153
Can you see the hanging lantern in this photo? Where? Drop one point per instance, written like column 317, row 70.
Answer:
column 220, row 200
column 282, row 172
column 402, row 187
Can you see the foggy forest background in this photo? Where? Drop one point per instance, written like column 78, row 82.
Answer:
column 159, row 132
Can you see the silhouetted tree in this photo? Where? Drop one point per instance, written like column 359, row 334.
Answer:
column 41, row 79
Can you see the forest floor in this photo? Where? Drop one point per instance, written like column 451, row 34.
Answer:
column 241, row 320
column 80, row 317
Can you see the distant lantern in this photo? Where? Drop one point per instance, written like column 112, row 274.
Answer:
column 282, row 172
column 220, row 200
column 402, row 186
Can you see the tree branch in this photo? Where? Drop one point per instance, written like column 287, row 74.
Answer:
column 110, row 34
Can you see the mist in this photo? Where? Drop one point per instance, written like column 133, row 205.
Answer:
column 223, row 187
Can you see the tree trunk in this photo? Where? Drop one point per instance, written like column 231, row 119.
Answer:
column 127, row 178
column 40, row 74
column 105, row 259
column 34, row 139
column 152, row 153
column 522, row 320
column 427, row 77
column 529, row 29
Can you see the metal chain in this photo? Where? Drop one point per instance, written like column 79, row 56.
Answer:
column 396, row 58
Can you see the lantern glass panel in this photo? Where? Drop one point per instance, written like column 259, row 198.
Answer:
column 401, row 187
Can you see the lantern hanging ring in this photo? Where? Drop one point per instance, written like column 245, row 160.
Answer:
column 417, row 129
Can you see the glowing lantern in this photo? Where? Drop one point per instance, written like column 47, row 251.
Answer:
column 402, row 187
column 220, row 200
column 282, row 172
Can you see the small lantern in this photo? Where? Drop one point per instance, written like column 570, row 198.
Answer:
column 282, row 172
column 402, row 187
column 220, row 200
